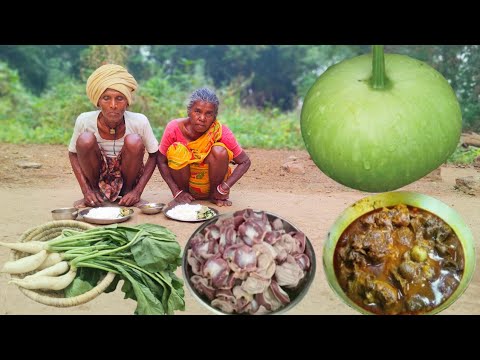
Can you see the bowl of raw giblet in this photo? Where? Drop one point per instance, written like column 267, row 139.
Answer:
column 399, row 253
column 248, row 262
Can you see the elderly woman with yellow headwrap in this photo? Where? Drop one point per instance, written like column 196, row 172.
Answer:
column 195, row 153
column 108, row 145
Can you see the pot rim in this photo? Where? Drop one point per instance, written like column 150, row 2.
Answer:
column 421, row 201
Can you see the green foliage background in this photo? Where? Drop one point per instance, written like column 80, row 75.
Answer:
column 261, row 87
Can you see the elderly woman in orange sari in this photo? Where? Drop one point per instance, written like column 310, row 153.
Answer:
column 108, row 145
column 195, row 153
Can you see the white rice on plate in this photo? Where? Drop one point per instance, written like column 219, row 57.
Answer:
column 185, row 212
column 105, row 213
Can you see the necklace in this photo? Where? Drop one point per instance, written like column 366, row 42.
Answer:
column 114, row 138
column 112, row 131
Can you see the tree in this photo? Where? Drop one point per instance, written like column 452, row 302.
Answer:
column 97, row 55
column 40, row 66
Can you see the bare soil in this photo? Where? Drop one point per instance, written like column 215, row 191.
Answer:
column 311, row 201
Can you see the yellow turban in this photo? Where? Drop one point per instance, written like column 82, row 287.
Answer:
column 110, row 76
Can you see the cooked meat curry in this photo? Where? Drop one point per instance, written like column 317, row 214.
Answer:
column 399, row 260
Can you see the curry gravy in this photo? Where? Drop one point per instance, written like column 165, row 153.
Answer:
column 399, row 260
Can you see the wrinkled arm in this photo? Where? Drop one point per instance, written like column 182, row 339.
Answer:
column 162, row 163
column 90, row 196
column 243, row 163
column 133, row 196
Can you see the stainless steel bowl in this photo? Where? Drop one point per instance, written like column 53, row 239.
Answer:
column 151, row 208
column 295, row 295
column 67, row 213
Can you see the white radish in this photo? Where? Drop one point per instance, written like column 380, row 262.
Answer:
column 52, row 259
column 25, row 264
column 55, row 270
column 31, row 247
column 46, row 282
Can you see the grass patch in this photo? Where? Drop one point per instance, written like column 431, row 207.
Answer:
column 463, row 155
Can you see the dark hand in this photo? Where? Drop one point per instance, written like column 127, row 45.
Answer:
column 93, row 198
column 130, row 198
column 221, row 200
column 184, row 198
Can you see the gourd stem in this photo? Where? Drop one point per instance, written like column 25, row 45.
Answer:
column 378, row 79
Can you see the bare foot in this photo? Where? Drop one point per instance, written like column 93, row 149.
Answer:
column 219, row 202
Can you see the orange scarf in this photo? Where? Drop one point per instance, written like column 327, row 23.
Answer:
column 179, row 156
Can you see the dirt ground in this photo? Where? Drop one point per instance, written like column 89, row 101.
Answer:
column 311, row 201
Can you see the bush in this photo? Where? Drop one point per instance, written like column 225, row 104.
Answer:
column 463, row 155
column 15, row 100
column 50, row 119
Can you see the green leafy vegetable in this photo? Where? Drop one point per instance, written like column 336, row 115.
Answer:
column 143, row 256
column 85, row 280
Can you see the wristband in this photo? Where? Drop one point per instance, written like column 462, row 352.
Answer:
column 228, row 186
column 220, row 190
column 178, row 193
